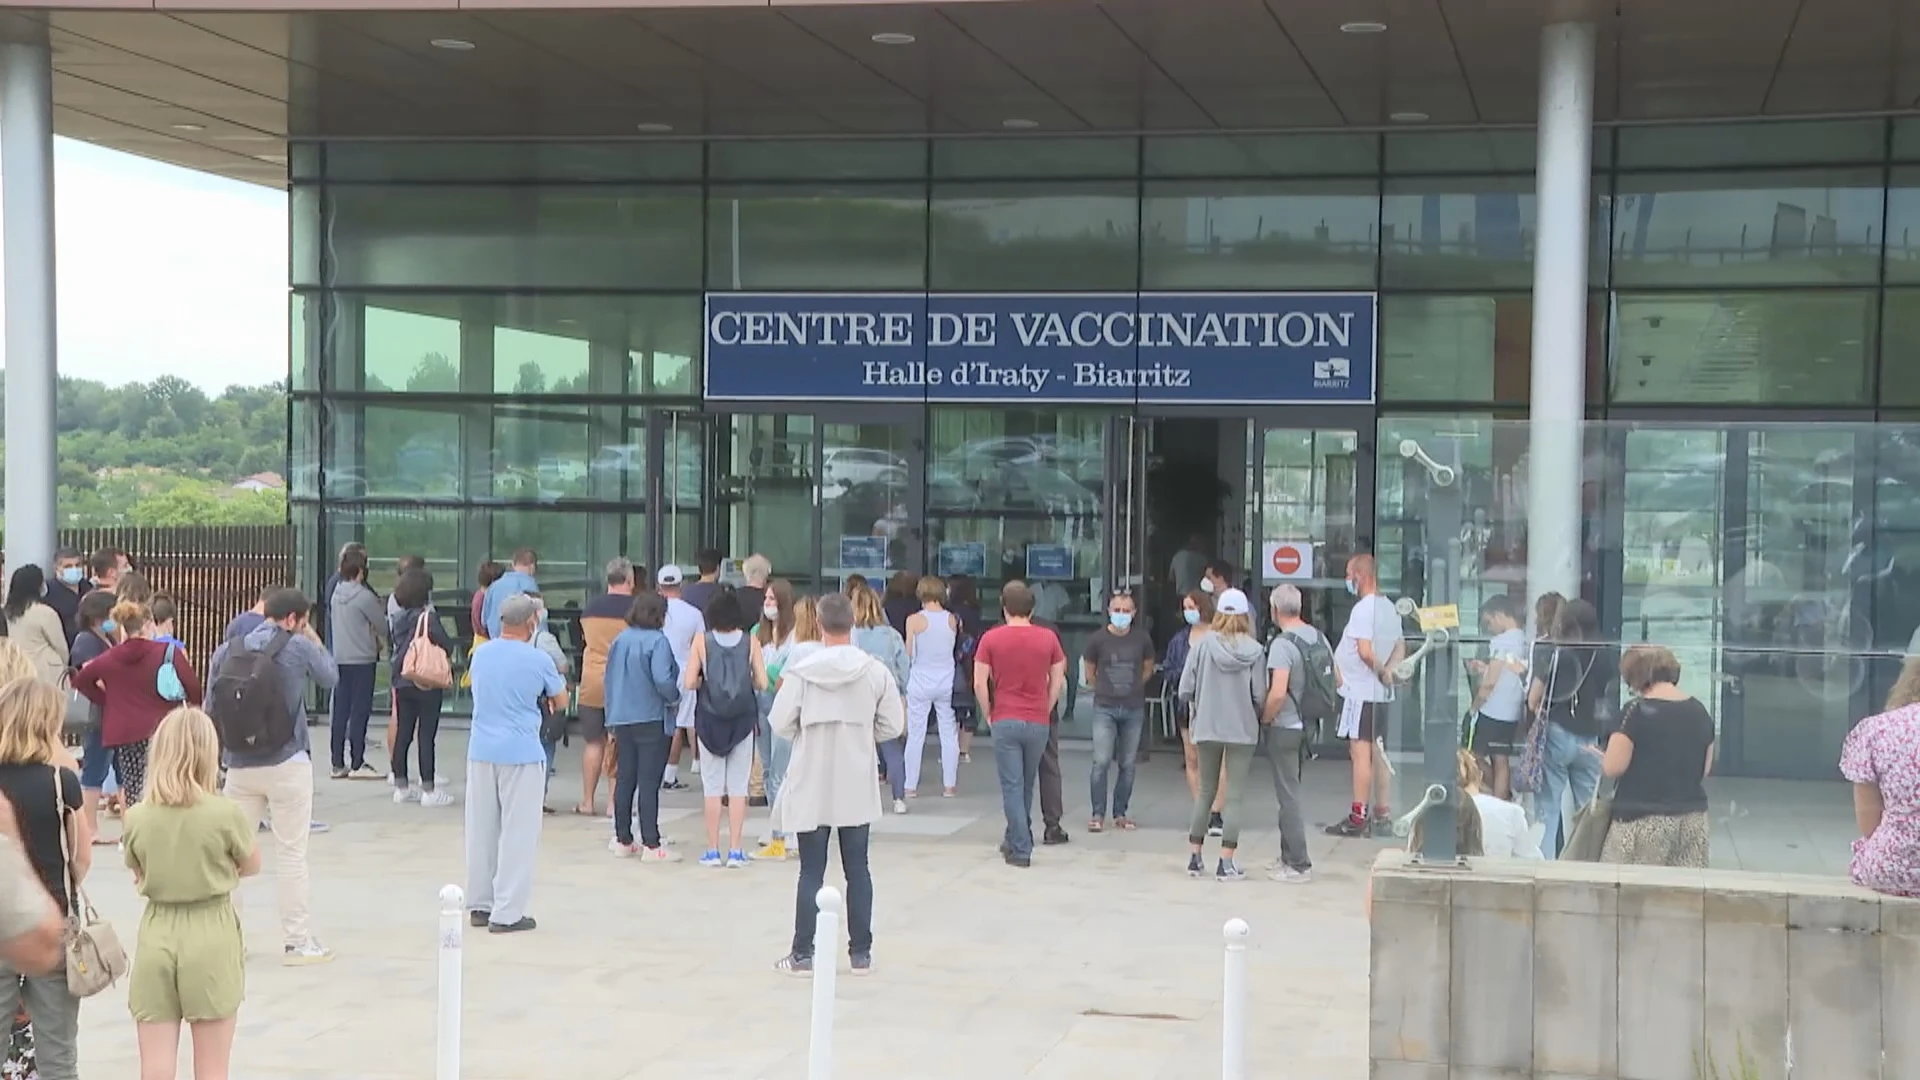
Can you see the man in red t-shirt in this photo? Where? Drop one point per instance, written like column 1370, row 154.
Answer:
column 1019, row 674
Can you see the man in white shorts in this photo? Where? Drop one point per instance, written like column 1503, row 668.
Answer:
column 684, row 623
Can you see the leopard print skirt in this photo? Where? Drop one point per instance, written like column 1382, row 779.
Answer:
column 1659, row 840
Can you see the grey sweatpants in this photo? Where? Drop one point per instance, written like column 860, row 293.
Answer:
column 503, row 836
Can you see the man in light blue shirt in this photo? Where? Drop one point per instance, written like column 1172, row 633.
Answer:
column 507, row 767
column 515, row 582
column 684, row 623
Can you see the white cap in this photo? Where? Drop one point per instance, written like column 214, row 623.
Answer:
column 669, row 575
column 1232, row 602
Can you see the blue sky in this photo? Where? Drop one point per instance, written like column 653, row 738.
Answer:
column 165, row 270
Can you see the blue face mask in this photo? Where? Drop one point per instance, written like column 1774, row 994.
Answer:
column 1120, row 619
column 1191, row 615
column 109, row 626
column 1352, row 588
column 72, row 575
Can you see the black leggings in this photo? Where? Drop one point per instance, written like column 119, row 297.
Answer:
column 130, row 765
column 642, row 752
column 416, row 711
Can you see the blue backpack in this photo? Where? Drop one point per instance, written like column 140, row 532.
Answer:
column 167, row 679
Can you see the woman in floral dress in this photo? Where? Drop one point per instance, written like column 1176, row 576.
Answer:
column 1882, row 758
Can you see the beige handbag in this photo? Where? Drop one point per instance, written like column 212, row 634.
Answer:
column 426, row 665
column 95, row 959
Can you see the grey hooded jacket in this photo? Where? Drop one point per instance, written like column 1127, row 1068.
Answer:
column 1224, row 684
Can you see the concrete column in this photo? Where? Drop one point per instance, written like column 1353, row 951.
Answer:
column 26, row 213
column 1565, row 206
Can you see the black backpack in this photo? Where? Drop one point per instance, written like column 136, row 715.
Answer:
column 1311, row 685
column 247, row 699
column 726, row 681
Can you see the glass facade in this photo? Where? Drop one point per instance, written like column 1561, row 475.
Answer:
column 500, row 344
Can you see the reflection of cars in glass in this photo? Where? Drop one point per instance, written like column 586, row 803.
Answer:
column 848, row 465
column 1040, row 488
column 557, row 471
column 619, row 458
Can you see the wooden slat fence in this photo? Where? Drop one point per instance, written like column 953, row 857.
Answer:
column 212, row 573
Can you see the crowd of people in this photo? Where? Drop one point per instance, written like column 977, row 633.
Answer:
column 830, row 699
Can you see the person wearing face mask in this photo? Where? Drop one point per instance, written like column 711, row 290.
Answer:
column 1217, row 578
column 603, row 619
column 1196, row 613
column 133, row 691
column 1115, row 664
column 98, row 633
column 64, row 591
column 1370, row 647
column 34, row 626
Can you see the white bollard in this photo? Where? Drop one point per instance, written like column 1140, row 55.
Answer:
column 826, row 971
column 1233, row 1010
column 453, row 918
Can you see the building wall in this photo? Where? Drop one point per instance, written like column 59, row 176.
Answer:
column 497, row 344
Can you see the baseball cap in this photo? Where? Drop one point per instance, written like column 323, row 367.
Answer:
column 669, row 575
column 1232, row 602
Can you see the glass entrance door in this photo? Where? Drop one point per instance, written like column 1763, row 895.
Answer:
column 823, row 494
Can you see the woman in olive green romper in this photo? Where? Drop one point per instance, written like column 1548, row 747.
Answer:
column 188, row 848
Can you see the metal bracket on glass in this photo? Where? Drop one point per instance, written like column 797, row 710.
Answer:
column 1436, row 796
column 1442, row 475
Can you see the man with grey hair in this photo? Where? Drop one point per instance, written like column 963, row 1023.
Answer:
column 602, row 620
column 836, row 705
column 507, row 767
column 1299, row 663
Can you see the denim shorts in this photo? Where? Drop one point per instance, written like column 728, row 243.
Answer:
column 95, row 762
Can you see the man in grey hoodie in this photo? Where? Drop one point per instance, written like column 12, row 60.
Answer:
column 358, row 621
column 276, row 785
column 1225, row 684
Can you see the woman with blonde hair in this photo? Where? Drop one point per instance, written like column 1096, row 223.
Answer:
column 875, row 636
column 132, row 587
column 37, row 778
column 136, row 684
column 1225, row 686
column 188, row 848
column 1882, row 759
column 1469, row 826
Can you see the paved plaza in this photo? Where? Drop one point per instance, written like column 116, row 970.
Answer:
column 1104, row 959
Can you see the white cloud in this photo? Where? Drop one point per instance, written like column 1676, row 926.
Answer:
column 163, row 270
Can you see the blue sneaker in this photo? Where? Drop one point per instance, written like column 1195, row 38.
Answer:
column 713, row 859
column 736, row 857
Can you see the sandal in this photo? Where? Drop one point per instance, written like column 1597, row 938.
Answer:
column 1125, row 824
column 1096, row 825
column 585, row 811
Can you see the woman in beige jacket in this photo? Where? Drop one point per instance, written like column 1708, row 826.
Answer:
column 835, row 705
column 36, row 628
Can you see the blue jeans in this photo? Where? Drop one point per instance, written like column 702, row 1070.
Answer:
column 1115, row 729
column 1017, row 748
column 775, row 752
column 1568, row 761
column 96, row 765
column 352, row 705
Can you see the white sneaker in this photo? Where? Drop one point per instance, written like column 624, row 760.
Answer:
column 1287, row 875
column 622, row 851
column 406, row 794
column 436, row 797
column 306, row 954
column 899, row 806
column 658, row 855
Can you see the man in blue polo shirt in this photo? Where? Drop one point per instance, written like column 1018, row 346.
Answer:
column 507, row 768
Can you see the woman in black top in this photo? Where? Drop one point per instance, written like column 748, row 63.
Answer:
column 964, row 601
column 45, row 797
column 1573, row 693
column 416, row 708
column 97, row 635
column 1661, row 755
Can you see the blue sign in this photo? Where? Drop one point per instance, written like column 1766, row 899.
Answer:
column 863, row 554
column 1049, row 562
column 1121, row 348
column 969, row 559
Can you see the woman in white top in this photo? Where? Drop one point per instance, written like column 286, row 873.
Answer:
column 931, row 633
column 1504, row 832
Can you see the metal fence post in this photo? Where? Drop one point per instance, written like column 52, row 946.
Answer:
column 826, row 971
column 1233, row 1009
column 453, row 917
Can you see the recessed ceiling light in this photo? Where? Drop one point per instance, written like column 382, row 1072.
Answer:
column 1407, row 117
column 1367, row 27
column 1019, row 124
column 189, row 127
column 452, row 44
column 653, row 127
column 893, row 37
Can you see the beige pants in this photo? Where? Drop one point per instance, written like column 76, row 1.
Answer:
column 282, row 796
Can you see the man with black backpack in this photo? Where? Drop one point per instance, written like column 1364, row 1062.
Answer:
column 1300, row 694
column 256, row 694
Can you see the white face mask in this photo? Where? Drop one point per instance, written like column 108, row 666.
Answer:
column 1206, row 585
column 771, row 613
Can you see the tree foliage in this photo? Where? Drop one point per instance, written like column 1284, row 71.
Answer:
column 165, row 453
